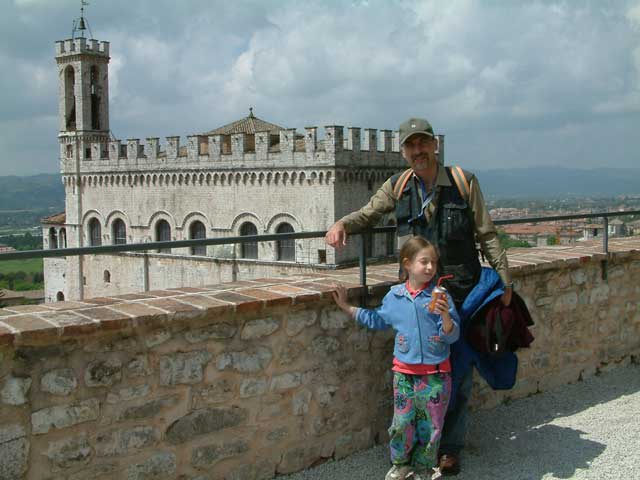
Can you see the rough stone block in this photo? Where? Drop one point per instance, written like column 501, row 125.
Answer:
column 14, row 456
column 259, row 470
column 64, row 416
column 61, row 381
column 334, row 320
column 148, row 409
column 566, row 302
column 290, row 352
column 324, row 345
column 579, row 277
column 157, row 338
column 298, row 321
column 262, row 327
column 139, row 367
column 15, row 390
column 159, row 466
column 129, row 393
column 202, row 422
column 218, row 392
column 248, row 361
column 218, row 331
column 599, row 294
column 324, row 394
column 252, row 387
column 103, row 373
column 208, row 455
column 122, row 442
column 11, row 432
column 183, row 367
column 298, row 458
column 286, row 381
column 301, row 402
column 69, row 452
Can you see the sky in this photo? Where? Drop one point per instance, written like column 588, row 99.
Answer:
column 509, row 83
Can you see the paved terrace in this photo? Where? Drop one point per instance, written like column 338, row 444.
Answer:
column 587, row 430
column 38, row 322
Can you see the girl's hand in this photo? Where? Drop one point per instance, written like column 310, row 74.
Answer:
column 340, row 297
column 442, row 306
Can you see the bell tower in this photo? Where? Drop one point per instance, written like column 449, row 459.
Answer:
column 83, row 95
column 83, row 122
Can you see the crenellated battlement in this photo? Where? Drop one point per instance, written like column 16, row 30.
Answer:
column 352, row 148
column 76, row 46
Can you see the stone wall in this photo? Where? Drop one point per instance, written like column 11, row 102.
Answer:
column 250, row 379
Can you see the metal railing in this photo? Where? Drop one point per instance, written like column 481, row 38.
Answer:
column 364, row 243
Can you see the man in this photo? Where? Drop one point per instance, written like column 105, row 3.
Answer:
column 431, row 205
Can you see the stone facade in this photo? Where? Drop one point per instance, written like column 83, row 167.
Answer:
column 248, row 172
column 249, row 379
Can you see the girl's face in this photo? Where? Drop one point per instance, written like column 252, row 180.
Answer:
column 422, row 267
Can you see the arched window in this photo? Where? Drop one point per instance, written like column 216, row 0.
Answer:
column 248, row 250
column 95, row 234
column 53, row 239
column 107, row 276
column 95, row 99
column 163, row 234
column 69, row 98
column 119, row 232
column 63, row 238
column 197, row 231
column 60, row 297
column 286, row 249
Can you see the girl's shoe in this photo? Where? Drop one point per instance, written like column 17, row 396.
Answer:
column 421, row 474
column 398, row 472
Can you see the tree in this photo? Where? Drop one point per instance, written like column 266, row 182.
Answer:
column 552, row 240
column 507, row 242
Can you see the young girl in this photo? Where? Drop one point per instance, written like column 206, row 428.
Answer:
column 421, row 378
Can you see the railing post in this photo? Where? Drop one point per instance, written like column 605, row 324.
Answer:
column 145, row 272
column 605, row 237
column 363, row 268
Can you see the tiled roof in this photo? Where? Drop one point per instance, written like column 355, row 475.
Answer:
column 55, row 219
column 250, row 124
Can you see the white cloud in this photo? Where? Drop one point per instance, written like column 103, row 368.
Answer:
column 499, row 68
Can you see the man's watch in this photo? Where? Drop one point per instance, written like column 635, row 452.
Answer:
column 509, row 285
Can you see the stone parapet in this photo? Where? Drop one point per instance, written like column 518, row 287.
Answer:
column 253, row 378
column 242, row 150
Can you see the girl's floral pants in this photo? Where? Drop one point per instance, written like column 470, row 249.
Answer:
column 419, row 406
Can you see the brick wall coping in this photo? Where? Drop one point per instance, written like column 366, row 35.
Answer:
column 49, row 323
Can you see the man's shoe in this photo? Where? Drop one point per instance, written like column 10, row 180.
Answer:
column 398, row 472
column 449, row 464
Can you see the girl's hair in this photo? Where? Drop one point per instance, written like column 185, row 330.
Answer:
column 409, row 251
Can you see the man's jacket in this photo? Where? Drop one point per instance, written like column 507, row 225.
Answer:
column 499, row 371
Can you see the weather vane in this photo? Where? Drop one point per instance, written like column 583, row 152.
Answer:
column 80, row 24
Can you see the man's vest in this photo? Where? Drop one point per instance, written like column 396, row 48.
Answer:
column 451, row 229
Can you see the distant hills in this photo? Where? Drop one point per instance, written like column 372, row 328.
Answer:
column 46, row 190
column 33, row 192
column 559, row 182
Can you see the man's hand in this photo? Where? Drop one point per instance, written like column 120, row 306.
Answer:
column 336, row 236
column 506, row 296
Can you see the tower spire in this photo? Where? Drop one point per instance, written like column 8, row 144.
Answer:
column 81, row 24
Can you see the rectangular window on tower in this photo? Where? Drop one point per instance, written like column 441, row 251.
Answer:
column 69, row 151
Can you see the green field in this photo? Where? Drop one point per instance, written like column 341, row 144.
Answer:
column 29, row 266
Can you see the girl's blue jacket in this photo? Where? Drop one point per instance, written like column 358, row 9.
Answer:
column 419, row 335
